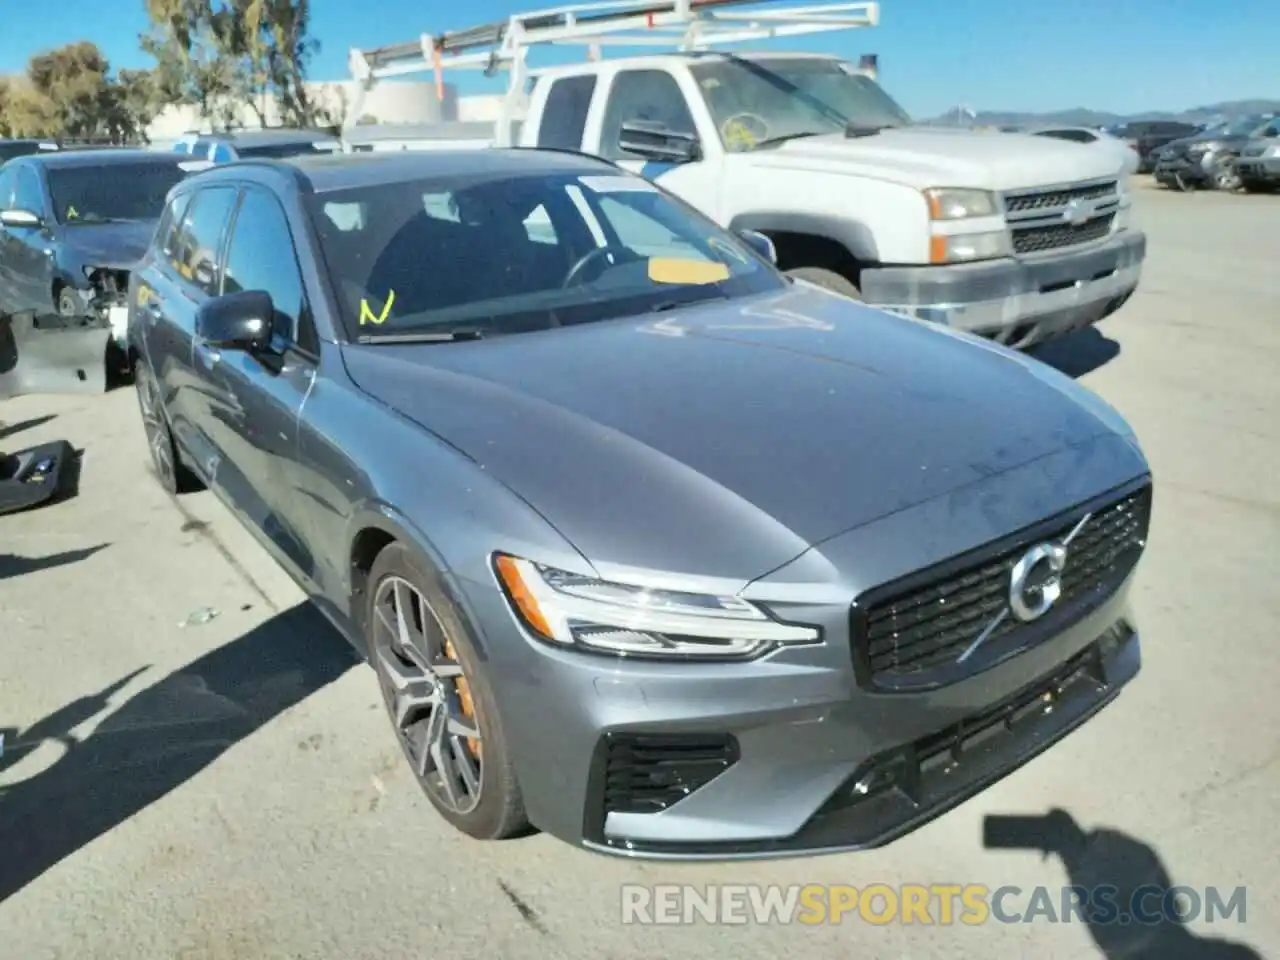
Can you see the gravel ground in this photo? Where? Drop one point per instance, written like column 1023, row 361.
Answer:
column 231, row 789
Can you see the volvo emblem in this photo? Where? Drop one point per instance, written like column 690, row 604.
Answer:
column 1036, row 581
column 1078, row 210
column 1035, row 585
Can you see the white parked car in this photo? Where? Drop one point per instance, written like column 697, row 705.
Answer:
column 1126, row 156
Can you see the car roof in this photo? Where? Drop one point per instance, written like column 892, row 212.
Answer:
column 327, row 173
column 59, row 159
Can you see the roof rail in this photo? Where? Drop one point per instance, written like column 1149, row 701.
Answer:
column 687, row 25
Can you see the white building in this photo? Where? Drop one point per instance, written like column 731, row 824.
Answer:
column 390, row 101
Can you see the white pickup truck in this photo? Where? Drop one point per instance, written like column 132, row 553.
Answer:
column 1016, row 237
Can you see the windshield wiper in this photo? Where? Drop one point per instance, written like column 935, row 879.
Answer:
column 424, row 336
column 774, row 141
column 666, row 305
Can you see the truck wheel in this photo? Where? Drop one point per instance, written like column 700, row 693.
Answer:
column 828, row 280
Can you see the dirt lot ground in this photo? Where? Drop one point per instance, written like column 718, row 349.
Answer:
column 230, row 789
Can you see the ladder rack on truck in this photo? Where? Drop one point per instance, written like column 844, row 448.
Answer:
column 688, row 25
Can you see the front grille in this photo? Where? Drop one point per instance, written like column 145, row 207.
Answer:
column 909, row 636
column 1057, row 217
column 1057, row 198
column 1056, row 235
column 646, row 773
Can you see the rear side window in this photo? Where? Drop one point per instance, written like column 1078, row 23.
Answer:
column 221, row 153
column 565, row 115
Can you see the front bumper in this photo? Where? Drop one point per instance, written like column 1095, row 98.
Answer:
column 1191, row 171
column 1259, row 169
column 765, row 758
column 1020, row 303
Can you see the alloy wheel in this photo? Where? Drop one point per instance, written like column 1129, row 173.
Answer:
column 1226, row 178
column 427, row 695
column 155, row 427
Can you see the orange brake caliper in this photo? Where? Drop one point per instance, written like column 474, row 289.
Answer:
column 464, row 697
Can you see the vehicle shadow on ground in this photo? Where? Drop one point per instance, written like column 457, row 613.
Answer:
column 1117, row 869
column 12, row 565
column 156, row 740
column 1078, row 353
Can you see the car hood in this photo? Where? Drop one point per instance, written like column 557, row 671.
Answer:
column 116, row 245
column 923, row 157
column 733, row 436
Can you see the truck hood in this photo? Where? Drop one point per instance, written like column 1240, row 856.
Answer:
column 115, row 245
column 734, row 435
column 923, row 157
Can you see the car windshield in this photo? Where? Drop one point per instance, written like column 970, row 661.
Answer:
column 280, row 151
column 496, row 254
column 1243, row 127
column 112, row 192
column 760, row 102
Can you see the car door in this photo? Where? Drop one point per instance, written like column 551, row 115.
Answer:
column 8, row 177
column 255, row 398
column 33, row 246
column 656, row 95
column 183, row 275
column 27, row 276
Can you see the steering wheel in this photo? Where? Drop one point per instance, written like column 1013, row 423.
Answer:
column 744, row 130
column 575, row 273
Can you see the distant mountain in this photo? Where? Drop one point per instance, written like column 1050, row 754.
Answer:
column 1084, row 117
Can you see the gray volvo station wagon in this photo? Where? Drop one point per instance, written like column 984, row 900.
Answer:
column 648, row 545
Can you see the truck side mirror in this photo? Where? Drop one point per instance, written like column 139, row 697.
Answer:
column 20, row 218
column 654, row 140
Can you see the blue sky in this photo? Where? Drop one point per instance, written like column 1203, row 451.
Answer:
column 1119, row 55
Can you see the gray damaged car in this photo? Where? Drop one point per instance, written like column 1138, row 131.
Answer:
column 648, row 545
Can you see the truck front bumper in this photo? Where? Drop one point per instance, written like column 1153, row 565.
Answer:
column 1019, row 303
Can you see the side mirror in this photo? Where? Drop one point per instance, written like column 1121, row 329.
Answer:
column 236, row 321
column 653, row 140
column 20, row 218
column 760, row 243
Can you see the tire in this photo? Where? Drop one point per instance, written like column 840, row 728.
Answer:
column 172, row 474
column 1225, row 178
column 494, row 809
column 68, row 305
column 828, row 280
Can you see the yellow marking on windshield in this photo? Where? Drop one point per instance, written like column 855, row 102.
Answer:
column 673, row 270
column 368, row 316
column 72, row 213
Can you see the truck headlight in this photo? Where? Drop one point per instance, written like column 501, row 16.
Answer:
column 950, row 203
column 965, row 247
column 578, row 612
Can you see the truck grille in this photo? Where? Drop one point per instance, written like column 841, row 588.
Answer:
column 908, row 636
column 1058, row 217
column 1054, row 236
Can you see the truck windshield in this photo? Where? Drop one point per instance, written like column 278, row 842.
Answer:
column 112, row 192
column 760, row 102
column 493, row 253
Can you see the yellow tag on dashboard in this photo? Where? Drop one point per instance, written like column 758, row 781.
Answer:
column 368, row 316
column 674, row 270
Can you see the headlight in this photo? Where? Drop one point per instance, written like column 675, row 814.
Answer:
column 1198, row 149
column 964, row 247
column 1273, row 151
column 947, row 203
column 583, row 613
